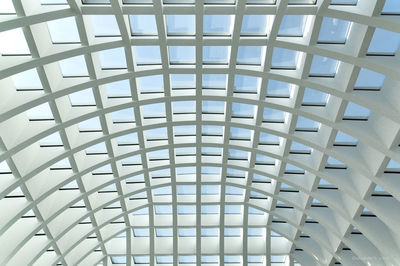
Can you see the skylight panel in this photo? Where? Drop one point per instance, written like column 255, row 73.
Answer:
column 40, row 112
column 235, row 173
column 254, row 25
column 118, row 259
column 255, row 259
column 183, row 81
column 356, row 112
column 333, row 30
column 215, row 54
column 158, row 155
column 186, row 189
column 51, row 140
column 185, row 130
column 232, row 190
column 293, row 169
column 209, row 232
column 105, row 25
column 379, row 44
column 182, row 55
column 209, row 209
column 184, row 107
column 141, row 259
column 127, row 139
column 392, row 167
column 255, row 231
column 298, row 148
column 187, row 259
column 27, row 80
column 185, row 151
column 233, row 209
column 208, row 130
column 284, row 58
column 240, row 133
column 141, row 211
column 369, row 80
column 74, row 67
column 180, row 24
column 92, row 124
column 232, row 259
column 123, row 116
column 187, row 232
column 292, row 26
column 269, row 139
column 117, row 89
column 82, row 98
column 344, row 2
column 273, row 115
column 160, row 191
column 334, row 163
column 261, row 178
column 278, row 89
column 164, row 259
column 342, row 139
column 13, row 42
column 232, row 231
column 97, row 149
column 63, row 30
column 213, row 107
column 217, row 24
column 147, row 55
column 214, row 81
column 186, row 209
column 323, row 67
column 305, row 124
column 262, row 159
column 7, row 7
column 185, row 170
column 314, row 98
column 250, row 55
column 166, row 172
column 210, row 189
column 156, row 110
column 234, row 154
column 143, row 24
column 141, row 232
column 391, row 7
column 150, row 84
column 164, row 232
column 242, row 110
column 112, row 58
column 209, row 259
column 211, row 151
column 246, row 84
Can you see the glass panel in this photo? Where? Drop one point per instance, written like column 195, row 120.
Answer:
column 105, row 25
column 183, row 81
column 182, row 54
column 273, row 115
column 214, row 81
column 278, row 89
column 380, row 45
column 217, row 24
column 63, row 30
column 150, row 84
column 215, row 54
column 213, row 107
column 187, row 232
column 163, row 209
column 248, row 84
column 314, row 97
column 112, row 58
column 292, row 25
column 284, row 58
column 250, row 55
column 254, row 25
column 207, row 232
column 143, row 24
column 82, row 98
column 27, row 80
column 180, row 24
column 186, row 209
column 147, row 55
column 232, row 231
column 74, row 67
column 333, row 30
column 369, row 79
column 164, row 232
column 13, row 42
column 243, row 110
column 209, row 209
column 323, row 66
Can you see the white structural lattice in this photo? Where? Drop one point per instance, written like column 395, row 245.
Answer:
column 214, row 132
